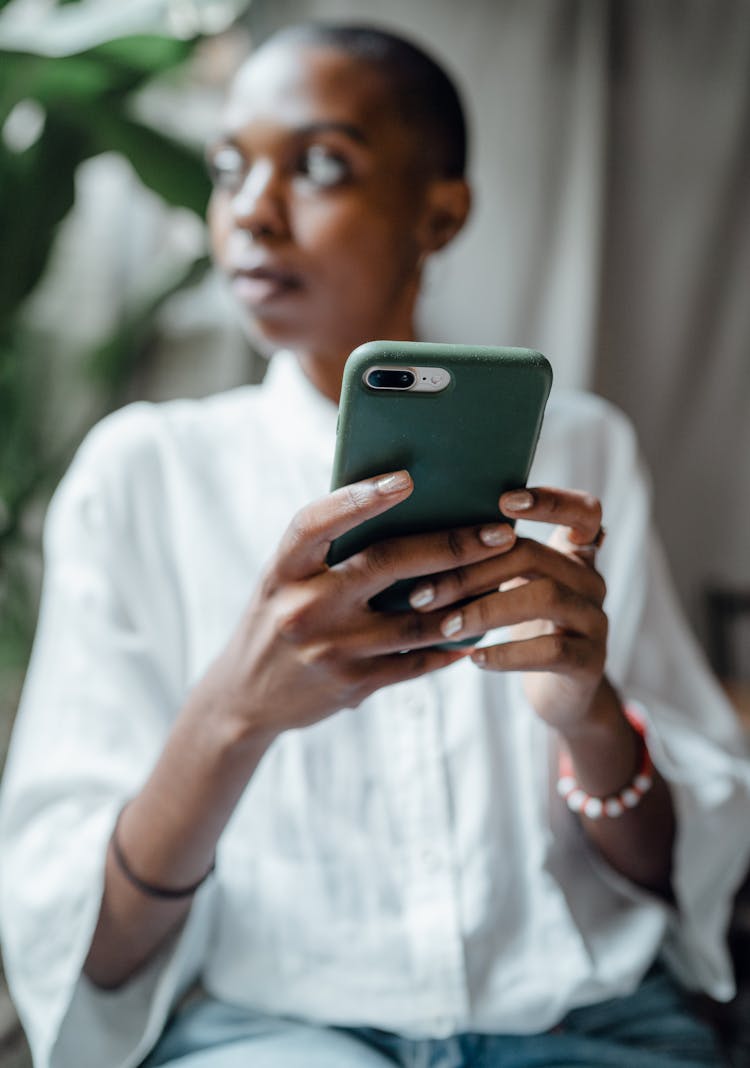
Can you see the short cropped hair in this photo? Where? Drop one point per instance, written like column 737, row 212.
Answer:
column 427, row 99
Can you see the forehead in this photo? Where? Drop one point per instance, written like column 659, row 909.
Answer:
column 292, row 84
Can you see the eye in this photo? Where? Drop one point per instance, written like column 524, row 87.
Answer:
column 323, row 167
column 227, row 167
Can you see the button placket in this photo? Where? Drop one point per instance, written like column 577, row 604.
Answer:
column 419, row 776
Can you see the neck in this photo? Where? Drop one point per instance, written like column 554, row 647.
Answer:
column 324, row 367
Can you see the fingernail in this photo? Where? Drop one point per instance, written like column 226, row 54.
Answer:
column 452, row 625
column 518, row 500
column 479, row 658
column 401, row 480
column 496, row 534
column 422, row 596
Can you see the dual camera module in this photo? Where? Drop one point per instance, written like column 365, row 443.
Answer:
column 385, row 378
column 414, row 379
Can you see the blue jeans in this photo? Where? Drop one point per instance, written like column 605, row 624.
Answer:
column 652, row 1028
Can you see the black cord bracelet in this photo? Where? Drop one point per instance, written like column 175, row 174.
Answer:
column 164, row 893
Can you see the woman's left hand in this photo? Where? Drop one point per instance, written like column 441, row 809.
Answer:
column 552, row 597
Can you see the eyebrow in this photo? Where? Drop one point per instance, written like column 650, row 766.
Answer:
column 349, row 129
column 356, row 133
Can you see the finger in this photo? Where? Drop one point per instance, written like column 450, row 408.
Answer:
column 308, row 537
column 581, row 512
column 385, row 562
column 384, row 634
column 400, row 667
column 539, row 599
column 561, row 540
column 527, row 559
column 563, row 654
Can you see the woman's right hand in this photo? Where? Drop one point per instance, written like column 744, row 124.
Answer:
column 308, row 643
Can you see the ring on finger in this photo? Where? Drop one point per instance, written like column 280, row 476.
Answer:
column 593, row 545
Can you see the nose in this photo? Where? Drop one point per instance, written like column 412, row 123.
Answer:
column 258, row 205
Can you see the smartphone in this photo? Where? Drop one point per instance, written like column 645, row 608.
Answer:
column 464, row 420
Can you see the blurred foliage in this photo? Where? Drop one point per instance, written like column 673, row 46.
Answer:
column 83, row 103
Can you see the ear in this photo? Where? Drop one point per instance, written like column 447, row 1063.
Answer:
column 447, row 205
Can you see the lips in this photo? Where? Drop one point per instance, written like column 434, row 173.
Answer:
column 260, row 283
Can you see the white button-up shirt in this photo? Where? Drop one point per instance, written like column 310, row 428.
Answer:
column 405, row 865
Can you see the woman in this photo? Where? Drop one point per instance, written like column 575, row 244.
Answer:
column 226, row 767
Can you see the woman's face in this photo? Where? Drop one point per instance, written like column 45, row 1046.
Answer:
column 318, row 212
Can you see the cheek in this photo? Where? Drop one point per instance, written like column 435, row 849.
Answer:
column 352, row 244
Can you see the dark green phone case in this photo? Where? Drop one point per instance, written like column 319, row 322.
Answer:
column 463, row 446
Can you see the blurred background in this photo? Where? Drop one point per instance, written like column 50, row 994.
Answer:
column 611, row 161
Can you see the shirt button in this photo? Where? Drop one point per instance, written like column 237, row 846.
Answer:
column 430, row 859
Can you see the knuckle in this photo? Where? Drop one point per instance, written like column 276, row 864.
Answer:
column 547, row 591
column 601, row 660
column 481, row 608
column 412, row 628
column 551, row 504
column 600, row 587
column 579, row 654
column 418, row 662
column 359, row 683
column 293, row 617
column 562, row 596
column 325, row 654
column 525, row 553
column 456, row 544
column 377, row 558
column 300, row 529
column 595, row 506
column 559, row 648
column 454, row 582
column 356, row 496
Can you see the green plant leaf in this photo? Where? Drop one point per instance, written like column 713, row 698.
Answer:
column 169, row 168
column 32, row 206
column 82, row 65
column 54, row 81
column 147, row 53
column 116, row 67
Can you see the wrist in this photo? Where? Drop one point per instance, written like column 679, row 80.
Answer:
column 604, row 750
column 615, row 804
column 193, row 789
column 604, row 718
column 227, row 734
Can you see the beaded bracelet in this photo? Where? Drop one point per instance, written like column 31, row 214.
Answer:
column 579, row 801
column 164, row 893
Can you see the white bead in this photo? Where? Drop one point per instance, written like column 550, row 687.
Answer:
column 643, row 783
column 614, row 807
column 577, row 800
column 565, row 785
column 630, row 798
column 593, row 808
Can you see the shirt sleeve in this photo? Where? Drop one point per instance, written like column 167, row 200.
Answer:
column 101, row 692
column 693, row 734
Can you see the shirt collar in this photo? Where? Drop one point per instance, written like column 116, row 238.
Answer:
column 310, row 416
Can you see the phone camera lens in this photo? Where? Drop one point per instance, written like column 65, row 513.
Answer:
column 384, row 378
